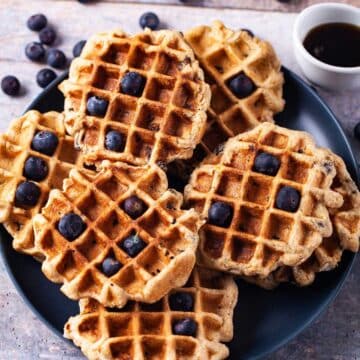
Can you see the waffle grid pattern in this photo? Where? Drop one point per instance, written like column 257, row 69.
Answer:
column 140, row 331
column 164, row 123
column 262, row 237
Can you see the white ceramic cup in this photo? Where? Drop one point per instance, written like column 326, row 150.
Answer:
column 327, row 76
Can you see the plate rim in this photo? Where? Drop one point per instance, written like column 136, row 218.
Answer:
column 323, row 306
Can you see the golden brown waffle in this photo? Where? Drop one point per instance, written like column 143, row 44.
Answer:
column 15, row 148
column 140, row 331
column 170, row 234
column 262, row 237
column 164, row 123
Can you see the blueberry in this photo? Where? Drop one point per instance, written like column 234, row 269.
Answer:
column 45, row 142
column 249, row 32
column 149, row 20
column 267, row 164
column 27, row 194
column 133, row 244
column 78, row 48
column 220, row 214
column 10, row 85
column 134, row 206
column 84, row 1
column 35, row 168
column 35, row 51
column 241, row 85
column 44, row 77
column 187, row 327
column 110, row 266
column 56, row 59
column 36, row 22
column 357, row 131
column 114, row 141
column 47, row 35
column 133, row 84
column 288, row 199
column 96, row 106
column 71, row 226
column 181, row 301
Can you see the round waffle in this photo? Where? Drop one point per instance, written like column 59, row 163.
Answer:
column 15, row 148
column 140, row 331
column 169, row 235
column 261, row 237
column 165, row 122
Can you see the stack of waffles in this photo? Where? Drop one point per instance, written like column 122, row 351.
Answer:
column 86, row 191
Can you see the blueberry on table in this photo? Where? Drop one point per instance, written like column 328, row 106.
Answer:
column 267, row 164
column 134, row 207
column 241, row 85
column 132, row 84
column 357, row 131
column 78, row 48
column 149, row 20
column 45, row 142
column 35, row 51
column 114, row 141
column 110, row 266
column 186, row 327
column 181, row 301
column 36, row 22
column 27, row 194
column 44, row 77
column 35, row 168
column 288, row 199
column 10, row 85
column 220, row 214
column 56, row 59
column 47, row 35
column 96, row 106
column 133, row 245
column 71, row 226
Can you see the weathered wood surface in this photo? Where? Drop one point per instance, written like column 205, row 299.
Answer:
column 336, row 335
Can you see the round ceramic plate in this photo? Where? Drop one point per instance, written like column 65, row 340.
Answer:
column 264, row 320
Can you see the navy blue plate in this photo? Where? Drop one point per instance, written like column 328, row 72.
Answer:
column 264, row 320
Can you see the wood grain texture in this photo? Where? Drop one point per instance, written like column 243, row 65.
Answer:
column 336, row 335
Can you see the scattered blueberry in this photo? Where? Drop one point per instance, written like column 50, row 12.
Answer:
column 133, row 84
column 241, row 85
column 187, row 327
column 133, row 244
column 288, row 199
column 110, row 266
column 220, row 214
column 10, row 85
column 181, row 301
column 134, row 206
column 267, row 164
column 36, row 22
column 27, row 194
column 249, row 32
column 84, row 1
column 35, row 168
column 47, row 35
column 78, row 48
column 114, row 141
column 96, row 106
column 44, row 77
column 56, row 58
column 71, row 226
column 35, row 51
column 149, row 20
column 45, row 142
column 357, row 130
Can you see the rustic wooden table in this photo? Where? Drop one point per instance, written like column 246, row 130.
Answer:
column 336, row 335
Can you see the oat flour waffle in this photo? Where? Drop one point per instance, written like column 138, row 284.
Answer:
column 260, row 237
column 140, row 331
column 164, row 123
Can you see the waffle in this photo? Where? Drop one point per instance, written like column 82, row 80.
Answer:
column 262, row 237
column 15, row 148
column 164, row 123
column 170, row 235
column 140, row 331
